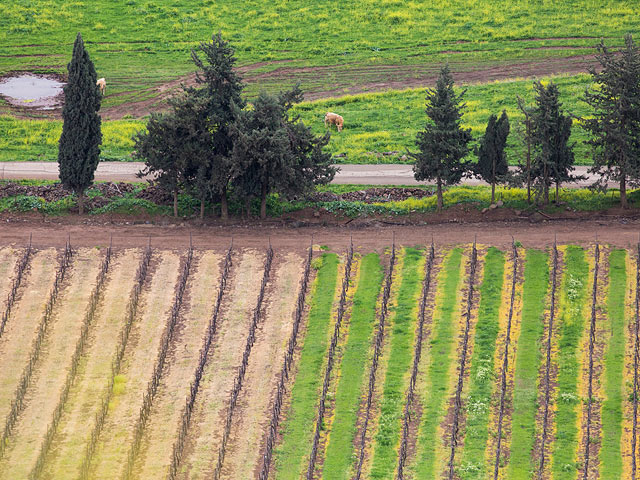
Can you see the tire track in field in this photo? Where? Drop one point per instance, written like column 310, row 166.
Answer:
column 377, row 350
column 546, row 379
column 203, row 438
column 165, row 414
column 417, row 353
column 53, row 364
column 505, row 362
column 118, row 428
column 462, row 369
column 77, row 423
column 21, row 329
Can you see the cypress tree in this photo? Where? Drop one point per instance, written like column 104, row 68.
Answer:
column 492, row 164
column 79, row 145
column 525, row 132
column 443, row 143
column 554, row 158
column 615, row 126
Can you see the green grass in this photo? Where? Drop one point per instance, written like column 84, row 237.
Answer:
column 612, row 416
column 571, row 325
column 402, row 340
column 138, row 44
column 528, row 359
column 481, row 376
column 298, row 427
column 441, row 355
column 339, row 453
column 374, row 123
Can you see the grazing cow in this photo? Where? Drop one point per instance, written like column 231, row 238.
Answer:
column 334, row 118
column 102, row 83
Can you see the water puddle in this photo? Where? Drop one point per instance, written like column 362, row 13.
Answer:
column 32, row 91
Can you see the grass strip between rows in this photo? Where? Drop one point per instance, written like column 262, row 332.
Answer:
column 610, row 454
column 298, row 426
column 441, row 356
column 339, row 453
column 571, row 326
column 481, row 371
column 528, row 360
column 404, row 314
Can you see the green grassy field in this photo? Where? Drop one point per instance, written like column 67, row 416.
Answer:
column 139, row 44
column 374, row 123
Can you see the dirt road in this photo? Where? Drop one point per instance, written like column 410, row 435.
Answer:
column 382, row 174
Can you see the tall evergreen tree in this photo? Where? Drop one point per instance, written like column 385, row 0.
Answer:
column 554, row 159
column 615, row 126
column 492, row 164
column 443, row 143
column 214, row 104
column 274, row 152
column 79, row 145
column 525, row 132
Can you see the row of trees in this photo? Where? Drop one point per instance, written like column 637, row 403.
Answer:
column 443, row 145
column 215, row 146
column 209, row 143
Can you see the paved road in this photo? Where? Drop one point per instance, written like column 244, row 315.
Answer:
column 349, row 174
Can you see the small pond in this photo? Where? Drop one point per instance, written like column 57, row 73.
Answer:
column 32, row 91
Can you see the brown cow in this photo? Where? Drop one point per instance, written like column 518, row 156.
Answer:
column 335, row 119
column 102, row 83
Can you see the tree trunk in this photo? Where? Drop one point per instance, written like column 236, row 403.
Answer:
column 224, row 206
column 545, row 181
column 528, row 164
column 202, row 209
column 263, row 201
column 175, row 203
column 439, row 194
column 247, row 206
column 493, row 180
column 81, row 202
column 623, row 191
column 493, row 191
column 557, row 192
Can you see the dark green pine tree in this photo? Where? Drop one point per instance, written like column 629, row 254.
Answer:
column 443, row 144
column 214, row 104
column 492, row 164
column 615, row 126
column 274, row 152
column 554, row 159
column 79, row 146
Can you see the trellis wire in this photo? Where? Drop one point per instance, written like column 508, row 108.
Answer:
column 505, row 362
column 94, row 301
column 406, row 417
column 238, row 381
column 17, row 405
column 330, row 359
column 457, row 406
column 376, row 358
column 132, row 308
column 158, row 368
column 15, row 285
column 286, row 368
column 178, row 446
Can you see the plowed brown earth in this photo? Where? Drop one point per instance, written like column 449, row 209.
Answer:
column 207, row 424
column 111, row 453
column 166, row 414
column 21, row 328
column 51, row 370
column 252, row 416
column 85, row 395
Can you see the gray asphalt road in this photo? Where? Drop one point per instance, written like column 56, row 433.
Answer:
column 349, row 174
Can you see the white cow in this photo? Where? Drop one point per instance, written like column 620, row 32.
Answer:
column 102, row 83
